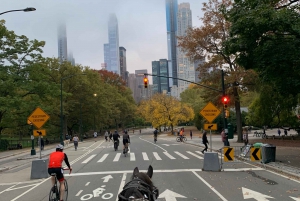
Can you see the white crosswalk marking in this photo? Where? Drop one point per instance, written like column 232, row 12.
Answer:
column 89, row 158
column 156, row 156
column 145, row 156
column 132, row 157
column 117, row 157
column 197, row 156
column 199, row 152
column 183, row 156
column 167, row 154
column 103, row 158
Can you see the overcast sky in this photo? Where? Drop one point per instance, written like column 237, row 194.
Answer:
column 142, row 27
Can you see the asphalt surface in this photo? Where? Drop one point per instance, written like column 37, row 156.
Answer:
column 99, row 173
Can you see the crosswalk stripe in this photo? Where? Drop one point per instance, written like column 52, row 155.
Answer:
column 132, row 157
column 103, row 158
column 183, row 156
column 156, row 156
column 145, row 156
column 197, row 156
column 169, row 155
column 89, row 158
column 117, row 157
column 199, row 152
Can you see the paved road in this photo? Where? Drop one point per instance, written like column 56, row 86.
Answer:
column 100, row 173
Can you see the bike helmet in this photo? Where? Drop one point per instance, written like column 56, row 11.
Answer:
column 60, row 147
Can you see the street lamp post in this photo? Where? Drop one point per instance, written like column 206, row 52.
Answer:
column 61, row 107
column 95, row 95
column 25, row 10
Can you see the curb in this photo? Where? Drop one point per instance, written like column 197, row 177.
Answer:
column 4, row 169
column 266, row 166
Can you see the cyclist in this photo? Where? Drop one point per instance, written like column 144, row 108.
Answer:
column 126, row 140
column 55, row 166
column 155, row 134
column 116, row 137
column 75, row 140
column 181, row 135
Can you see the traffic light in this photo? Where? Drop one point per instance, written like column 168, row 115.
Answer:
column 145, row 82
column 225, row 101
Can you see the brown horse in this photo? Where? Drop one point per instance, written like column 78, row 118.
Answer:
column 140, row 187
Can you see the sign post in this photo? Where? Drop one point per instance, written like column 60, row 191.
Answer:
column 210, row 112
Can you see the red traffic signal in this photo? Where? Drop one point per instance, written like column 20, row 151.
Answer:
column 225, row 100
column 145, row 82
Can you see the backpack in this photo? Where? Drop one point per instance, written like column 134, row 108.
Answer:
column 155, row 132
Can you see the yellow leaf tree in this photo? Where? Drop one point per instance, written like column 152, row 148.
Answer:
column 163, row 110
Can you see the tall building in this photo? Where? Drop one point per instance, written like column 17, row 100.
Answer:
column 171, row 17
column 160, row 84
column 111, row 49
column 71, row 58
column 123, row 67
column 62, row 42
column 186, row 67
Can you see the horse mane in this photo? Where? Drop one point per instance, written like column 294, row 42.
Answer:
column 144, row 177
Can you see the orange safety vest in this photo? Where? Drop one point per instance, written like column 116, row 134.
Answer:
column 56, row 159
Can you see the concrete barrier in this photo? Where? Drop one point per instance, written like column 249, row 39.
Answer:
column 39, row 168
column 211, row 162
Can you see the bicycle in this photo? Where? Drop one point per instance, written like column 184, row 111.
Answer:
column 126, row 150
column 155, row 139
column 181, row 139
column 54, row 194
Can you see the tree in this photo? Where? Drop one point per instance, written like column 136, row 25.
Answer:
column 206, row 42
column 163, row 110
column 265, row 37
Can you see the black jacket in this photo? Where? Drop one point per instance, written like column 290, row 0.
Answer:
column 204, row 138
column 116, row 136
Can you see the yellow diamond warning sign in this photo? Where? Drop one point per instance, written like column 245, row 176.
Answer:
column 38, row 117
column 210, row 112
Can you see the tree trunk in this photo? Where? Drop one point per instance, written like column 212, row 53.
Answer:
column 238, row 114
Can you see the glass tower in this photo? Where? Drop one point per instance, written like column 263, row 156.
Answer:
column 171, row 17
column 160, row 84
column 62, row 42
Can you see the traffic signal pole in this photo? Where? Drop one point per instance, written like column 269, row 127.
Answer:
column 224, row 115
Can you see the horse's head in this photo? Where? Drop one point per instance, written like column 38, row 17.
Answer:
column 140, row 187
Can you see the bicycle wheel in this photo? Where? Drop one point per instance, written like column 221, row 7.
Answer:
column 54, row 195
column 178, row 139
column 184, row 139
column 66, row 190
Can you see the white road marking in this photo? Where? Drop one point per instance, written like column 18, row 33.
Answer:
column 169, row 155
column 89, row 158
column 11, row 189
column 153, row 144
column 248, row 194
column 87, row 183
column 145, row 156
column 156, row 171
column 210, row 187
column 197, row 156
column 90, row 146
column 122, row 184
column 183, row 156
column 24, row 182
column 156, row 156
column 199, row 152
column 8, row 189
column 106, row 179
column 79, row 192
column 117, row 157
column 103, row 158
column 132, row 157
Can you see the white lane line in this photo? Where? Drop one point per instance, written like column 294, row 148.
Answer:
column 156, row 171
column 156, row 156
column 122, row 184
column 90, row 146
column 79, row 192
column 169, row 155
column 87, row 183
column 24, row 182
column 132, row 157
column 197, row 156
column 117, row 157
column 199, row 152
column 145, row 156
column 153, row 144
column 89, row 158
column 103, row 158
column 11, row 189
column 181, row 155
column 8, row 188
column 210, row 187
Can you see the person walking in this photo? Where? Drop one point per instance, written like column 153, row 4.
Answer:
column 42, row 143
column 204, row 141
column 191, row 134
column 279, row 131
column 285, row 132
column 224, row 138
column 245, row 136
column 106, row 135
column 75, row 140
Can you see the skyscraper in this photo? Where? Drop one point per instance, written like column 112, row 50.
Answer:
column 171, row 16
column 123, row 67
column 62, row 42
column 111, row 49
column 160, row 84
column 186, row 67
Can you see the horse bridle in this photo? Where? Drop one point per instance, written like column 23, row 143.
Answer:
column 143, row 188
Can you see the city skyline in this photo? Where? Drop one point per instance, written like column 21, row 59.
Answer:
column 140, row 31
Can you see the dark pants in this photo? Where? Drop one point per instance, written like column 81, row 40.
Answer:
column 205, row 149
